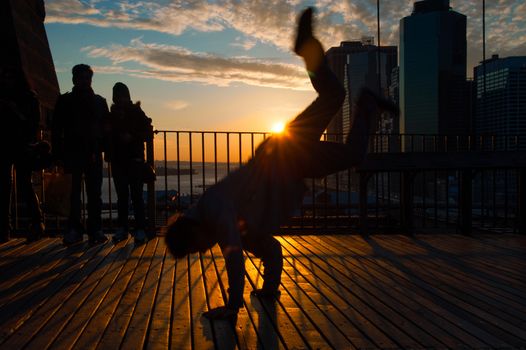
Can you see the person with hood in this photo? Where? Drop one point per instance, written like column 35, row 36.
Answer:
column 128, row 129
column 243, row 210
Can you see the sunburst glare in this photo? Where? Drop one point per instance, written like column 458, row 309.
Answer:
column 278, row 128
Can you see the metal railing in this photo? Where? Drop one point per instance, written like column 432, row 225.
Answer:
column 188, row 162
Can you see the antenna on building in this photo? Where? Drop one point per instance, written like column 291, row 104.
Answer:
column 378, row 48
column 484, row 54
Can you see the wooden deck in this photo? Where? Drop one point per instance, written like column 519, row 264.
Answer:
column 341, row 292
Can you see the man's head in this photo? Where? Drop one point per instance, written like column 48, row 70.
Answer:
column 82, row 75
column 185, row 235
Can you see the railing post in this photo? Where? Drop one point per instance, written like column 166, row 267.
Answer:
column 521, row 212
column 406, row 202
column 150, row 186
column 363, row 180
column 466, row 203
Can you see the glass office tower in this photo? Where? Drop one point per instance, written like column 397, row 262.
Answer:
column 433, row 89
column 500, row 104
column 355, row 65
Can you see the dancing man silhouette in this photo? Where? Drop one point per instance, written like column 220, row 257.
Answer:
column 243, row 210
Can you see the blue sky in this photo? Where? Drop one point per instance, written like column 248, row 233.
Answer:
column 226, row 64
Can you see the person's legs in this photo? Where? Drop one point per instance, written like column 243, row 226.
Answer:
column 93, row 175
column 25, row 188
column 136, row 185
column 268, row 249
column 6, row 181
column 74, row 232
column 74, row 221
column 136, row 188
column 120, row 179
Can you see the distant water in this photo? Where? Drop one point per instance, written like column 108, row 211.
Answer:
column 184, row 184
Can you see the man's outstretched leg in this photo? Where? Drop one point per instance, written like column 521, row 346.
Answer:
column 324, row 158
column 310, row 124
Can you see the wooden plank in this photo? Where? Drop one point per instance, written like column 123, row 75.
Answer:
column 515, row 243
column 311, row 303
column 28, row 294
column 87, row 279
column 136, row 333
column 372, row 318
column 409, row 304
column 501, row 264
column 202, row 335
column 249, row 320
column 116, row 329
column 21, row 248
column 499, row 322
column 40, row 289
column 223, row 330
column 100, row 320
column 504, row 263
column 317, row 293
column 11, row 246
column 476, row 325
column 289, row 333
column 84, row 311
column 68, row 284
column 463, row 283
column 181, row 337
column 25, row 269
column 17, row 267
column 289, row 316
column 159, row 332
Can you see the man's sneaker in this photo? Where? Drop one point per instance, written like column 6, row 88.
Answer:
column 140, row 237
column 97, row 238
column 120, row 235
column 304, row 31
column 265, row 293
column 71, row 237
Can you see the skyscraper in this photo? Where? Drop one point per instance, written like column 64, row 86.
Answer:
column 500, row 105
column 433, row 91
column 355, row 64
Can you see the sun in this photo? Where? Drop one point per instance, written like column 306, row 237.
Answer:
column 278, row 128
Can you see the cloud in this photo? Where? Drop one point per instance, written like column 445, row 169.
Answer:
column 176, row 105
column 245, row 44
column 272, row 22
column 178, row 64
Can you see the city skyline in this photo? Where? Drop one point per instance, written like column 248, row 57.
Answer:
column 228, row 66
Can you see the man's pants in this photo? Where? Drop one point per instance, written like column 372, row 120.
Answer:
column 92, row 171
column 301, row 155
column 268, row 249
column 127, row 177
column 310, row 157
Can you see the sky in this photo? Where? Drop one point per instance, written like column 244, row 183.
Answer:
column 227, row 65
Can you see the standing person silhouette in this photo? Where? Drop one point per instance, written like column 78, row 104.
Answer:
column 78, row 143
column 128, row 128
column 246, row 207
column 20, row 113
